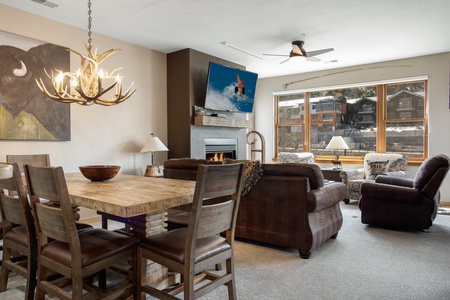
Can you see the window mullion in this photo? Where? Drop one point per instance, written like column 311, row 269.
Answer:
column 381, row 118
column 276, row 106
column 306, row 124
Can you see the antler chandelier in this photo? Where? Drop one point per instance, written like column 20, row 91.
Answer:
column 86, row 84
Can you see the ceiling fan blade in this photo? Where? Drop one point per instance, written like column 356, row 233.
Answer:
column 312, row 58
column 276, row 55
column 239, row 49
column 284, row 61
column 318, row 52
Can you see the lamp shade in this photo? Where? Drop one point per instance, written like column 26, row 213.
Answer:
column 154, row 145
column 6, row 171
column 337, row 142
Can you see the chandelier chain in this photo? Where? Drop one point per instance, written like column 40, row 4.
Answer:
column 89, row 25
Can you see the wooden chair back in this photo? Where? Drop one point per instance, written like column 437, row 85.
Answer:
column 214, row 182
column 14, row 209
column 42, row 160
column 15, row 183
column 23, row 159
column 39, row 160
column 57, row 223
column 19, row 234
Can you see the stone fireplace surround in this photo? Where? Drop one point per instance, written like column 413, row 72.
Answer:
column 200, row 133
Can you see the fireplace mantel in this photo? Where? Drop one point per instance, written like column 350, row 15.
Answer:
column 202, row 120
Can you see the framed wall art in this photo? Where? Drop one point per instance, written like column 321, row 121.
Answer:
column 26, row 113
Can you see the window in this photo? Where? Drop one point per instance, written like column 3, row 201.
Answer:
column 290, row 120
column 405, row 119
column 371, row 118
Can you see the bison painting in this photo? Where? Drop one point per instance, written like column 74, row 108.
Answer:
column 26, row 112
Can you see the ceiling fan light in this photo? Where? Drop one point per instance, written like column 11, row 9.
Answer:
column 297, row 59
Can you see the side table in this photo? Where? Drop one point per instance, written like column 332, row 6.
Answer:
column 333, row 175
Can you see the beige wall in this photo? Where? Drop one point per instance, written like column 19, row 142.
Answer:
column 436, row 67
column 100, row 135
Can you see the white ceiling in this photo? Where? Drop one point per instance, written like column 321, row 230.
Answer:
column 360, row 31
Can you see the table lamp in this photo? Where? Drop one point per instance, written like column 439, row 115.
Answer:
column 6, row 171
column 337, row 142
column 152, row 146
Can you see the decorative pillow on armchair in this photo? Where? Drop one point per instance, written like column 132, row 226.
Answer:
column 400, row 164
column 252, row 173
column 376, row 168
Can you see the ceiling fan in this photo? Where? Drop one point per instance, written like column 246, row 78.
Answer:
column 299, row 54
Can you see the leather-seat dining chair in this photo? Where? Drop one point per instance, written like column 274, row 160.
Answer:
column 19, row 240
column 193, row 250
column 75, row 255
column 42, row 160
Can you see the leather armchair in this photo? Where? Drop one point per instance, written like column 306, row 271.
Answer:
column 403, row 203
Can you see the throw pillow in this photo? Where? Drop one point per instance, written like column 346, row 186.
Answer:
column 376, row 168
column 252, row 173
column 399, row 164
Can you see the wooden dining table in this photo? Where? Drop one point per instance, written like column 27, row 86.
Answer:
column 129, row 195
column 138, row 200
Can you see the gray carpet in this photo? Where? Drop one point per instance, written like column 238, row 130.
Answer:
column 362, row 263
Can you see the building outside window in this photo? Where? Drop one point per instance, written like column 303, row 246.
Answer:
column 290, row 118
column 373, row 118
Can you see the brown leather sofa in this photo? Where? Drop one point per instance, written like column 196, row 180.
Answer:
column 289, row 206
column 404, row 203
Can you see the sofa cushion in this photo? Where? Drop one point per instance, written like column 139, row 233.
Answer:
column 312, row 171
column 187, row 163
column 376, row 168
column 184, row 168
column 252, row 173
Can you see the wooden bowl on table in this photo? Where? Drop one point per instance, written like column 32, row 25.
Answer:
column 99, row 172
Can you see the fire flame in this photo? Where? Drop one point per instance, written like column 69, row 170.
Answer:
column 218, row 157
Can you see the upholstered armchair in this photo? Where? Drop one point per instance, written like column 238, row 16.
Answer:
column 404, row 203
column 392, row 164
column 295, row 157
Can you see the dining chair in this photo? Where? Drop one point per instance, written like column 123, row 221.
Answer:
column 207, row 241
column 22, row 159
column 77, row 256
column 19, row 235
column 43, row 160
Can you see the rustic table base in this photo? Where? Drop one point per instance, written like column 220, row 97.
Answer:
column 158, row 275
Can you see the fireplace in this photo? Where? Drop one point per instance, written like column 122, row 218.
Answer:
column 220, row 148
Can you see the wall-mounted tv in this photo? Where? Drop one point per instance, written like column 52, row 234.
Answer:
column 230, row 89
